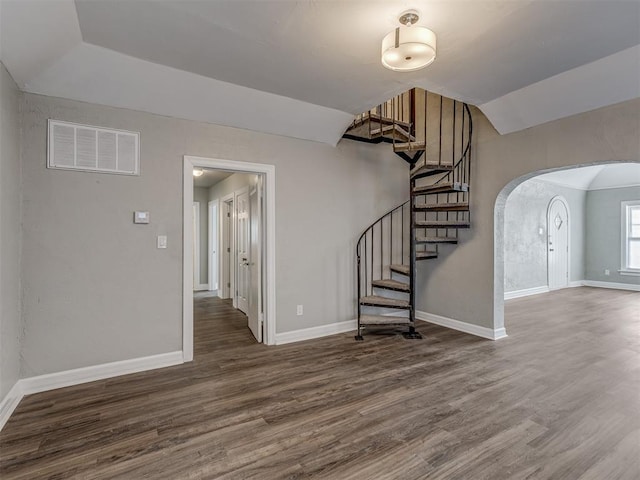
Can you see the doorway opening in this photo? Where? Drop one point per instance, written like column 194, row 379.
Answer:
column 234, row 241
column 561, row 228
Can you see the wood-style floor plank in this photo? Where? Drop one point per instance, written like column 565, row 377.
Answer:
column 558, row 399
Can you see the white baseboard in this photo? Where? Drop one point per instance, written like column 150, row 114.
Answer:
column 77, row 376
column 576, row 283
column 316, row 332
column 51, row 381
column 526, row 292
column 614, row 285
column 465, row 327
column 201, row 287
column 10, row 402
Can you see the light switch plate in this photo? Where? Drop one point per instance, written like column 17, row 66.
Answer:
column 140, row 217
column 162, row 241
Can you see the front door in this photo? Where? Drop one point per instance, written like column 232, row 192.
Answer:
column 255, row 265
column 558, row 244
column 243, row 253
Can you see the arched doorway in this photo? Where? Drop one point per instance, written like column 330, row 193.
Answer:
column 499, row 236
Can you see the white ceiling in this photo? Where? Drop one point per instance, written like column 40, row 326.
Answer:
column 303, row 68
column 596, row 177
column 210, row 177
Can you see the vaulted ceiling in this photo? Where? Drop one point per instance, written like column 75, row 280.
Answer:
column 304, row 68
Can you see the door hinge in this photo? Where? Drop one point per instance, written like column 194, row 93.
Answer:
column 228, row 249
column 228, row 214
column 228, row 284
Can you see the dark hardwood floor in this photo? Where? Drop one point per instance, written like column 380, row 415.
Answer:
column 557, row 399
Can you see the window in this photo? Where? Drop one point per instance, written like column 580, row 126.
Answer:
column 631, row 236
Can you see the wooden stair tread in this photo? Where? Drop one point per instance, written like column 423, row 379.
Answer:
column 445, row 187
column 426, row 170
column 377, row 301
column 403, row 269
column 409, row 146
column 425, row 255
column 459, row 207
column 383, row 320
column 442, row 224
column 436, row 240
column 392, row 285
column 393, row 129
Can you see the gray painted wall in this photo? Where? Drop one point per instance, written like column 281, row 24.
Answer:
column 97, row 290
column 202, row 195
column 525, row 250
column 10, row 315
column 461, row 283
column 604, row 230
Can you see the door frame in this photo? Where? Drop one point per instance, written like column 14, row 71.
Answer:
column 213, row 237
column 196, row 247
column 562, row 200
column 269, row 174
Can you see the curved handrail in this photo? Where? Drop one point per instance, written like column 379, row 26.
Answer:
column 370, row 227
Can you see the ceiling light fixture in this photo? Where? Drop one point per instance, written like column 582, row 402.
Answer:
column 198, row 172
column 409, row 47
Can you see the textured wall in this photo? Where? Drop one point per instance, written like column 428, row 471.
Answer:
column 10, row 315
column 604, row 230
column 202, row 195
column 525, row 250
column 97, row 290
column 462, row 284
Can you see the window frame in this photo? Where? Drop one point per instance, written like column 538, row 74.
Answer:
column 625, row 232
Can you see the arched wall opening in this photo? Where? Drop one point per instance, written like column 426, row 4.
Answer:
column 499, row 234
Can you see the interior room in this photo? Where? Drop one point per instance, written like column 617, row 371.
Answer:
column 341, row 240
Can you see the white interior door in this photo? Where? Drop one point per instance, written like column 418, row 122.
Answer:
column 213, row 246
column 243, row 254
column 255, row 263
column 558, row 244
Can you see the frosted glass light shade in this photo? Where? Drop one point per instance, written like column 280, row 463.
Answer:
column 406, row 49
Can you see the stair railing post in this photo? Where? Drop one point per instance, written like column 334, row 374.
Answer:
column 412, row 260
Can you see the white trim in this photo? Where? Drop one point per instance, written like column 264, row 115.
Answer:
column 624, row 235
column 613, row 285
column 10, row 402
column 484, row 332
column 196, row 245
column 525, row 292
column 576, row 283
column 630, row 273
column 51, row 381
column 269, row 172
column 316, row 332
column 200, row 287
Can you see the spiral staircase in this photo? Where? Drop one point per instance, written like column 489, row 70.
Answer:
column 433, row 135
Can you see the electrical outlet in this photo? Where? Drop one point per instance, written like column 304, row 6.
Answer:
column 299, row 310
column 606, row 271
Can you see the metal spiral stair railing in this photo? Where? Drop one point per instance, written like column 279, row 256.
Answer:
column 433, row 135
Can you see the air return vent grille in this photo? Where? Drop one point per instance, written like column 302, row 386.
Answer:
column 81, row 147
